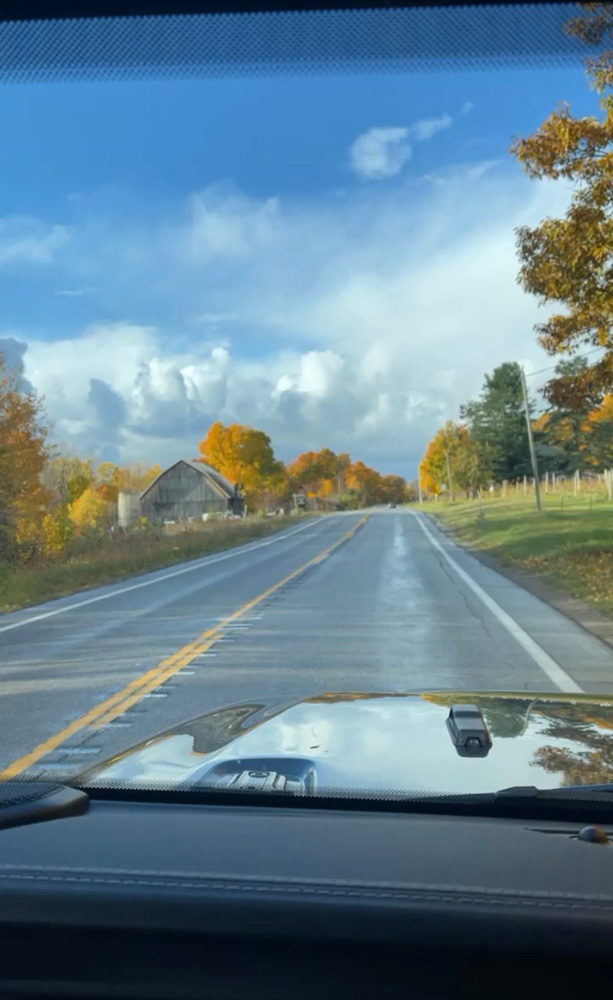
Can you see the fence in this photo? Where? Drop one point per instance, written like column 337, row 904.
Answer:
column 593, row 484
column 589, row 487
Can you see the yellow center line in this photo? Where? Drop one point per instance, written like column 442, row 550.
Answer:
column 109, row 709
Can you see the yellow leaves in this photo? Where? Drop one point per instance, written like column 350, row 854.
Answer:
column 91, row 510
column 586, row 574
column 57, row 530
column 243, row 455
column 567, row 260
column 22, row 458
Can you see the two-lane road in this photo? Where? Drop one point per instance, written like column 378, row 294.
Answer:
column 380, row 601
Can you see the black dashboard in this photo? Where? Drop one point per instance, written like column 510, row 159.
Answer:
column 198, row 900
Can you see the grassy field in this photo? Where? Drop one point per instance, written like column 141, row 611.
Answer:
column 91, row 563
column 569, row 545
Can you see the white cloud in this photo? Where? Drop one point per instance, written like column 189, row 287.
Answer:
column 27, row 240
column 469, row 171
column 423, row 130
column 226, row 225
column 382, row 152
column 373, row 318
column 72, row 293
column 466, row 107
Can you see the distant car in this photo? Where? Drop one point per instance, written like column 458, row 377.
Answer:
column 392, row 505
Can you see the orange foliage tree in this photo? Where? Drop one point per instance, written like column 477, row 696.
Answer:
column 245, row 457
column 23, row 453
column 453, row 459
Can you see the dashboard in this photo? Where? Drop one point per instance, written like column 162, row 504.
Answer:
column 159, row 899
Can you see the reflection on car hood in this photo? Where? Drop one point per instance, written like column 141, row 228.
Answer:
column 377, row 743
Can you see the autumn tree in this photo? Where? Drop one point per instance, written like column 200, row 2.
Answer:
column 319, row 473
column 366, row 482
column 91, row 510
column 600, row 435
column 245, row 457
column 569, row 261
column 23, row 453
column 393, row 489
column 67, row 477
column 456, row 459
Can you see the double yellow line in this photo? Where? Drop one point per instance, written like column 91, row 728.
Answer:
column 104, row 713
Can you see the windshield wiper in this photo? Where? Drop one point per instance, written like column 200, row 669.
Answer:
column 568, row 792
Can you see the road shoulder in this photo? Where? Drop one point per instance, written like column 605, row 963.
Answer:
column 577, row 610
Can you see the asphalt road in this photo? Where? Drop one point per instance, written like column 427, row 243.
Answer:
column 349, row 602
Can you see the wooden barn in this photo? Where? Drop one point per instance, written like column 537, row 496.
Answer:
column 189, row 490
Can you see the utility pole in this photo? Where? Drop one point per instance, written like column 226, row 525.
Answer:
column 535, row 471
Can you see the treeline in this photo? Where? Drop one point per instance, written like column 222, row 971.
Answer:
column 47, row 499
column 489, row 443
column 245, row 455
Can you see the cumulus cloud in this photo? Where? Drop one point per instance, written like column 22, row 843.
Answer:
column 371, row 320
column 27, row 240
column 466, row 107
column 12, row 352
column 382, row 152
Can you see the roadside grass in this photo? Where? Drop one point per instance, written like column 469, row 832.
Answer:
column 569, row 545
column 91, row 563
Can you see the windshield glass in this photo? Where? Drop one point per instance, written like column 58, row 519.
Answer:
column 306, row 400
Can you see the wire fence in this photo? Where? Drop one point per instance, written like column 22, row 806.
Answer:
column 597, row 485
column 555, row 489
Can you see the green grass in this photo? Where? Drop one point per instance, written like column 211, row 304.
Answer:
column 93, row 563
column 569, row 546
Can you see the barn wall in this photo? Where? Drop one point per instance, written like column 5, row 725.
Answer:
column 181, row 493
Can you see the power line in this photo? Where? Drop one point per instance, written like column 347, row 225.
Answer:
column 578, row 357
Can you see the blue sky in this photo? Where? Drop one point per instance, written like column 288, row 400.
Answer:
column 329, row 258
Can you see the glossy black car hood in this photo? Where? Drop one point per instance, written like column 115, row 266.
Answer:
column 378, row 744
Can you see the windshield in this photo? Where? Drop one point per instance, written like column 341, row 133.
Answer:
column 306, row 400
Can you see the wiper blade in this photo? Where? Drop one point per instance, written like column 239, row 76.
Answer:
column 524, row 792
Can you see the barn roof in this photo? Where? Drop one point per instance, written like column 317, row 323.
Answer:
column 217, row 481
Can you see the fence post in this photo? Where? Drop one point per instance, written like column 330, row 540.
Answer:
column 525, row 485
column 504, row 487
column 546, row 482
column 576, row 483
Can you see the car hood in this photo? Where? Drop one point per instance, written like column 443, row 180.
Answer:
column 394, row 744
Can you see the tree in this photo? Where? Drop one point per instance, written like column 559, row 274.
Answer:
column 600, row 435
column 497, row 423
column 570, row 260
column 244, row 456
column 107, row 481
column 67, row 478
column 320, row 473
column 393, row 489
column 91, row 510
column 566, row 426
column 136, row 478
column 366, row 482
column 23, row 453
column 453, row 450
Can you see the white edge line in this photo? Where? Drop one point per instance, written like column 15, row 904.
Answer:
column 542, row 659
column 201, row 563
